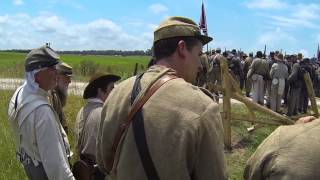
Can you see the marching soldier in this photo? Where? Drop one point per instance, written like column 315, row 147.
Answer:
column 295, row 83
column 268, row 81
column 305, row 67
column 248, row 81
column 258, row 72
column 278, row 74
column 215, row 72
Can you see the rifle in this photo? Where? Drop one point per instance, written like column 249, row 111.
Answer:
column 264, row 52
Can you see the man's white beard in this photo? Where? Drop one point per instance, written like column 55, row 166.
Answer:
column 63, row 89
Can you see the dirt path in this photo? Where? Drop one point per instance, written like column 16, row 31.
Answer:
column 76, row 87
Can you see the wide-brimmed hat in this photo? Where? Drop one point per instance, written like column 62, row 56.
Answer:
column 98, row 80
column 179, row 27
column 279, row 57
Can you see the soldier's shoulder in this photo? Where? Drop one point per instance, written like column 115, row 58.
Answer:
column 206, row 92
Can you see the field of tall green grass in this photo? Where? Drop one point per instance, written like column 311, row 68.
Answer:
column 12, row 64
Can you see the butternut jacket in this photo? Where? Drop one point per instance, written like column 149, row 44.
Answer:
column 290, row 152
column 86, row 127
column 183, row 131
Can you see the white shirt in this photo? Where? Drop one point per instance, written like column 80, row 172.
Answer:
column 42, row 136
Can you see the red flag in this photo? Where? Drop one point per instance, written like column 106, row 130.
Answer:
column 203, row 21
column 318, row 54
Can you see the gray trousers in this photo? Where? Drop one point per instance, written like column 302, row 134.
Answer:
column 293, row 100
column 275, row 98
column 258, row 89
column 248, row 84
column 268, row 91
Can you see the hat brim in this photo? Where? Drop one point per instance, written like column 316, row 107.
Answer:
column 278, row 59
column 204, row 39
column 89, row 91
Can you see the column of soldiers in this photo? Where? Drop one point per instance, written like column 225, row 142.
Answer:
column 157, row 125
column 273, row 81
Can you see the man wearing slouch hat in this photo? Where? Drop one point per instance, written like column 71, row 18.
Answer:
column 41, row 143
column 158, row 125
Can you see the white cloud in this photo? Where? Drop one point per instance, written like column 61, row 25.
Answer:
column 291, row 15
column 158, row 8
column 307, row 11
column 22, row 31
column 292, row 22
column 265, row 4
column 276, row 39
column 18, row 2
column 47, row 24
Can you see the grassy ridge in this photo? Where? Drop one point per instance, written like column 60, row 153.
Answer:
column 12, row 64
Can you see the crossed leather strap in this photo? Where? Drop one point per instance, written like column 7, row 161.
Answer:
column 138, row 105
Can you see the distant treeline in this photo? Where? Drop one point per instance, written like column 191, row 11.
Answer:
column 95, row 52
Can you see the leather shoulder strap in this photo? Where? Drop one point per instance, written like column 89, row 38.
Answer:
column 139, row 103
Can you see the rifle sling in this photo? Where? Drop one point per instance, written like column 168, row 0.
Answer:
column 133, row 116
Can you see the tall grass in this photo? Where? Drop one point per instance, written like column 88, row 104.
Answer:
column 10, row 168
column 12, row 64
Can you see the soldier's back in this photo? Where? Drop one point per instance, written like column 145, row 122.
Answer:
column 173, row 118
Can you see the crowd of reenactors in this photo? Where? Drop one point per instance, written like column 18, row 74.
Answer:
column 273, row 80
column 159, row 124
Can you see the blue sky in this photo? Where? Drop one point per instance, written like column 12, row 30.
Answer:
column 292, row 26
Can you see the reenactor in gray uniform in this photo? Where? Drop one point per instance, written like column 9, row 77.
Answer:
column 295, row 82
column 88, row 118
column 305, row 67
column 271, row 60
column 258, row 72
column 278, row 74
column 235, row 66
column 158, row 125
column 41, row 143
column 215, row 72
column 290, row 152
column 248, row 81
column 60, row 93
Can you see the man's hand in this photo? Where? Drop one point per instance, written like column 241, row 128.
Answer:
column 305, row 119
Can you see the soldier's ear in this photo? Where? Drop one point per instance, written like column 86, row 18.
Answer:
column 181, row 49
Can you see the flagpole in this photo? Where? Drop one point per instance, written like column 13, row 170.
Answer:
column 203, row 23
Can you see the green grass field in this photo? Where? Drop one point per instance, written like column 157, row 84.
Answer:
column 12, row 64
